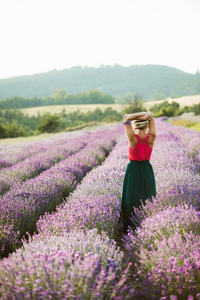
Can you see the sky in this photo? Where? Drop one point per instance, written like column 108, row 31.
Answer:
column 42, row 35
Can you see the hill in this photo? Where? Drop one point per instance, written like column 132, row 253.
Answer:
column 146, row 80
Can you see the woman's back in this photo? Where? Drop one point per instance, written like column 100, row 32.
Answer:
column 142, row 150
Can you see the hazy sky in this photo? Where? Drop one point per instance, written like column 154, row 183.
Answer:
column 42, row 35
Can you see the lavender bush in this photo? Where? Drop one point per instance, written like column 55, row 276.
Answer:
column 75, row 266
column 188, row 138
column 14, row 153
column 34, row 165
column 97, row 196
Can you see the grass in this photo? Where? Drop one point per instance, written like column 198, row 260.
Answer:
column 27, row 139
column 186, row 123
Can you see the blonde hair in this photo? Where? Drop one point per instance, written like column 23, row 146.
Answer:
column 140, row 124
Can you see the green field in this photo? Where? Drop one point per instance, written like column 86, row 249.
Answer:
column 185, row 123
column 27, row 139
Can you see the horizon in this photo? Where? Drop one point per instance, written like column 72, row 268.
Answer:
column 41, row 36
column 96, row 67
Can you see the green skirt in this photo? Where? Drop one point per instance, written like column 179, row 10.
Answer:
column 138, row 186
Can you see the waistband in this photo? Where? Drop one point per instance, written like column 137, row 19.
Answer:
column 139, row 161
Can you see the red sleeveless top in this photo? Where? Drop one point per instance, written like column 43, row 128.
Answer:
column 141, row 151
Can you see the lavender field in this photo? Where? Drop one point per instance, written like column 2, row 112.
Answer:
column 64, row 197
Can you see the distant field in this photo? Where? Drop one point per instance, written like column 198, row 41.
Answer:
column 183, row 101
column 186, row 100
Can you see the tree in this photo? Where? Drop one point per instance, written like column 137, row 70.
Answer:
column 59, row 94
column 49, row 123
column 167, row 111
column 14, row 129
column 196, row 108
column 98, row 114
column 111, row 115
column 2, row 131
column 134, row 103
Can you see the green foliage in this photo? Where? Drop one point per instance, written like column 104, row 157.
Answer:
column 12, row 130
column 78, row 118
column 10, row 115
column 173, row 109
column 165, row 109
column 110, row 115
column 182, row 110
column 14, row 123
column 2, row 131
column 60, row 96
column 50, row 123
column 184, row 123
column 134, row 103
column 196, row 127
column 196, row 109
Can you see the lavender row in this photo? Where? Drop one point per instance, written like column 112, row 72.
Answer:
column 14, row 153
column 190, row 139
column 176, row 173
column 95, row 203
column 22, row 205
column 169, row 224
column 165, row 250
column 34, row 165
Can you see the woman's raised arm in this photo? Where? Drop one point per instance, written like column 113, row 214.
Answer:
column 128, row 128
column 152, row 128
column 135, row 116
column 143, row 116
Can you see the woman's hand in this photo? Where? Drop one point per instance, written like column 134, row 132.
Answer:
column 149, row 115
column 126, row 117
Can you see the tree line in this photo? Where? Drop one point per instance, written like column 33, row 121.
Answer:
column 60, row 97
column 173, row 109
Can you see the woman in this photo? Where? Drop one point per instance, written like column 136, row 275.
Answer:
column 139, row 180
